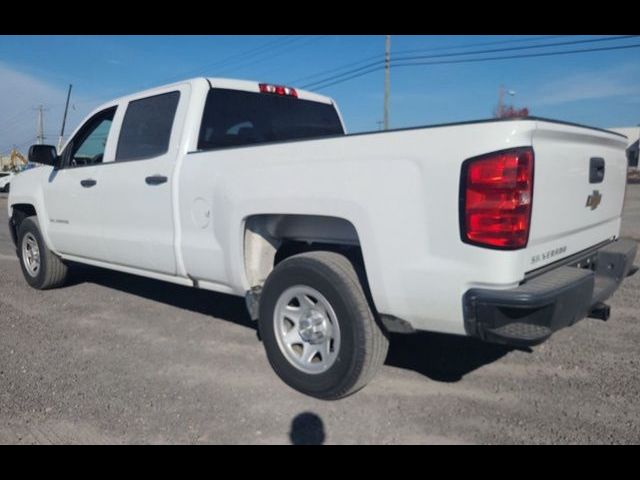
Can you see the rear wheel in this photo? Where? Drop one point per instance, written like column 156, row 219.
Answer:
column 41, row 268
column 318, row 329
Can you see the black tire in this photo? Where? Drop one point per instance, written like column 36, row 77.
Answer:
column 52, row 272
column 363, row 346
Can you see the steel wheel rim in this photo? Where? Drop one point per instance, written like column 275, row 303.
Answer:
column 306, row 329
column 31, row 254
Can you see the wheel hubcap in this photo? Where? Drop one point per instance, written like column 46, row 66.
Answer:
column 313, row 327
column 307, row 329
column 31, row 254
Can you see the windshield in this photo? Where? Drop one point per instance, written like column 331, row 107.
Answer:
column 235, row 118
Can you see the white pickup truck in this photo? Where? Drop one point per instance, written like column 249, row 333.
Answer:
column 502, row 230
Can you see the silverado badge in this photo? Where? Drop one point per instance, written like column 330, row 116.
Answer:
column 594, row 200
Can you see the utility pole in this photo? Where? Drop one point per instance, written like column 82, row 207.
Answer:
column 40, row 125
column 387, row 80
column 500, row 110
column 64, row 119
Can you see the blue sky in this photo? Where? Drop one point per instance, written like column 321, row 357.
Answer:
column 599, row 88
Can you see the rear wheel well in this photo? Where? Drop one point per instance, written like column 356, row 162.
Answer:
column 353, row 253
column 289, row 248
column 270, row 239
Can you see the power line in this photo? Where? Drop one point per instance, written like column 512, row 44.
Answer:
column 457, row 54
column 294, row 43
column 23, row 144
column 511, row 49
column 277, row 43
column 25, row 141
column 15, row 117
column 239, row 57
column 485, row 44
column 273, row 48
column 276, row 54
column 527, row 55
column 397, row 62
column 20, row 132
column 387, row 81
column 430, row 49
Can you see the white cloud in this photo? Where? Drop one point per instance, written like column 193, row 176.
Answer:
column 614, row 82
column 20, row 94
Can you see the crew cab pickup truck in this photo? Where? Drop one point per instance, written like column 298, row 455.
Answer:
column 502, row 230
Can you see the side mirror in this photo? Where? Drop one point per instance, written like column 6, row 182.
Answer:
column 44, row 154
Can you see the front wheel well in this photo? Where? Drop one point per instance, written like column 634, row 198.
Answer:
column 19, row 212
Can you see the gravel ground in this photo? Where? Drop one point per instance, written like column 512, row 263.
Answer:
column 114, row 358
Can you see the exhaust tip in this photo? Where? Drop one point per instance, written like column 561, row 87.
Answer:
column 600, row 311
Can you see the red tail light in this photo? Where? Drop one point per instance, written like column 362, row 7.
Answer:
column 278, row 90
column 495, row 199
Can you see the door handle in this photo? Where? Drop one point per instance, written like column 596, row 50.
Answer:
column 156, row 180
column 88, row 183
column 596, row 170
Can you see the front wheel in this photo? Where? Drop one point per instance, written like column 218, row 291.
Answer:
column 319, row 332
column 41, row 268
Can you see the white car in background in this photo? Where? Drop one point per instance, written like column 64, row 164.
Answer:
column 5, row 180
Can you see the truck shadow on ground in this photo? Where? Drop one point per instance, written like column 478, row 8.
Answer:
column 440, row 357
column 224, row 307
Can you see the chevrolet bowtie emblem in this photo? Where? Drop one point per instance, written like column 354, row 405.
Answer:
column 594, row 200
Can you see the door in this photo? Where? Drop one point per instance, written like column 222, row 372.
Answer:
column 73, row 194
column 137, row 214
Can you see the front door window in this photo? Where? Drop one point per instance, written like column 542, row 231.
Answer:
column 89, row 144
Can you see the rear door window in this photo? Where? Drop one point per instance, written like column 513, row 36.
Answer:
column 146, row 127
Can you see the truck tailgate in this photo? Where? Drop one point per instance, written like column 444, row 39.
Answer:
column 579, row 187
